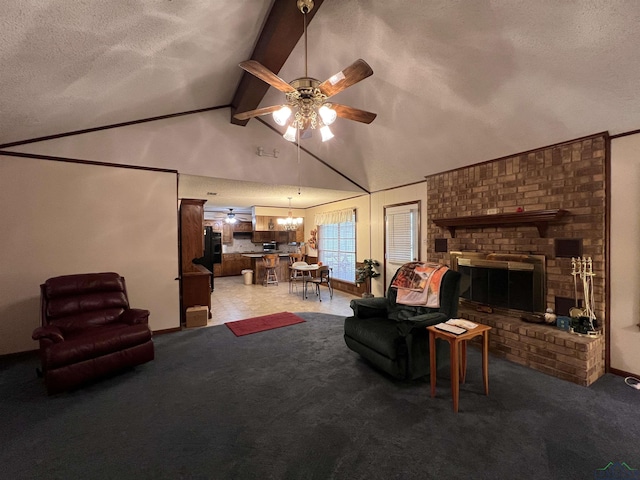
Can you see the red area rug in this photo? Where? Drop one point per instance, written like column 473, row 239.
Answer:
column 265, row 322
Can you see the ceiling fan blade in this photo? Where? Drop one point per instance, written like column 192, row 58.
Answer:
column 351, row 113
column 266, row 75
column 257, row 112
column 357, row 71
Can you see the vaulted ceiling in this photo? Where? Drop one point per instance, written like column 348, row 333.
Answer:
column 454, row 83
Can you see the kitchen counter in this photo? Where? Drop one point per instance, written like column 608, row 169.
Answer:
column 258, row 267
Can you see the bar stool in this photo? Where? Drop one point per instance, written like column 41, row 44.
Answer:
column 270, row 262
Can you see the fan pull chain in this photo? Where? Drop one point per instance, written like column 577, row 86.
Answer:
column 304, row 16
column 298, row 132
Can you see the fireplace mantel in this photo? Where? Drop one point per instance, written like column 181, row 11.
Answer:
column 539, row 218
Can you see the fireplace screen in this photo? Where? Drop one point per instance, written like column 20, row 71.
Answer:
column 508, row 281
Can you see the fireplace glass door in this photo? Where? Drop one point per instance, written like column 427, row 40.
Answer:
column 509, row 281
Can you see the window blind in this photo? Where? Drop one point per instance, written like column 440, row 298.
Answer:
column 400, row 238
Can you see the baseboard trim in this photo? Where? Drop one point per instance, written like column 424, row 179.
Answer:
column 167, row 330
column 19, row 355
column 622, row 373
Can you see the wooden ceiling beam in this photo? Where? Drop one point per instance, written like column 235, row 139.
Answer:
column 281, row 32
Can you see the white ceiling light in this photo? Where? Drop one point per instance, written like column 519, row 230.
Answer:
column 327, row 114
column 281, row 116
column 231, row 217
column 326, row 133
column 290, row 134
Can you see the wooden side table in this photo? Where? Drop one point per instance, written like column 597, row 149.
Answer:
column 458, row 344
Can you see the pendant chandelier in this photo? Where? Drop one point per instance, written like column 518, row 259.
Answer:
column 290, row 223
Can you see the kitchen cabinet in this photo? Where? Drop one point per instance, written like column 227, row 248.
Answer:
column 234, row 263
column 264, row 223
column 196, row 290
column 277, row 233
column 263, row 236
column 227, row 234
column 191, row 233
column 216, row 225
column 217, row 269
column 282, row 237
column 243, row 227
column 194, row 279
column 287, row 236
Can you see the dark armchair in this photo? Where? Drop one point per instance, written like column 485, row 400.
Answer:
column 88, row 329
column 393, row 337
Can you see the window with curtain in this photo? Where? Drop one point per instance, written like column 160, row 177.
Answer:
column 337, row 246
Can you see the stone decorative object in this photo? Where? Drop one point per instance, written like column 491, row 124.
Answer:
column 563, row 323
column 550, row 317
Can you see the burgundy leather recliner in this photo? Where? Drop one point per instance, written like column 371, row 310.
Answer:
column 88, row 329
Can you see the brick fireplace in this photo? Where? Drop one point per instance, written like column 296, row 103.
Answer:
column 568, row 178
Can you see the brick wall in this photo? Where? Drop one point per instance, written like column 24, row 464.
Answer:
column 569, row 176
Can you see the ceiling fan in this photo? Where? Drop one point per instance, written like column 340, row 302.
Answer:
column 307, row 106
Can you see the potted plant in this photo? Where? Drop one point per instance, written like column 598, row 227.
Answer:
column 365, row 273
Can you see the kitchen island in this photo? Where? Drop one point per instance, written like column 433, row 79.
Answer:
column 258, row 268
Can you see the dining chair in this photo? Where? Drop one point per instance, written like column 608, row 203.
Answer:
column 323, row 277
column 295, row 257
column 297, row 275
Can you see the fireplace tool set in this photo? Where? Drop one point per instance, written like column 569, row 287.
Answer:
column 582, row 268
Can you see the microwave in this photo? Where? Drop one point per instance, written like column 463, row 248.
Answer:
column 269, row 247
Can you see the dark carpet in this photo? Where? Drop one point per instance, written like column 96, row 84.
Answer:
column 263, row 323
column 295, row 403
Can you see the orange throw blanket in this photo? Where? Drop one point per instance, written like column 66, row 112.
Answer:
column 418, row 284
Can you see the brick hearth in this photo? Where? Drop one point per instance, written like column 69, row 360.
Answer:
column 569, row 176
column 576, row 358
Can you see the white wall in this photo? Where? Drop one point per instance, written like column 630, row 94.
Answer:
column 62, row 218
column 363, row 232
column 625, row 254
column 386, row 198
column 205, row 144
column 370, row 222
column 278, row 212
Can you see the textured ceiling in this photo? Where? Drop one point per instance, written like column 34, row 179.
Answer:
column 240, row 195
column 455, row 83
column 71, row 65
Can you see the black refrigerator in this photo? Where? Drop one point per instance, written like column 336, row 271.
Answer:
column 212, row 251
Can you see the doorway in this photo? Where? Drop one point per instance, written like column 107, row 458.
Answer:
column 401, row 238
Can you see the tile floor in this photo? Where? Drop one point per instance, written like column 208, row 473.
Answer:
column 232, row 300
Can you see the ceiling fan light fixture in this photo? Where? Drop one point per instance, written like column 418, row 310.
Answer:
column 326, row 133
column 305, row 108
column 231, row 217
column 290, row 134
column 281, row 116
column 327, row 114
